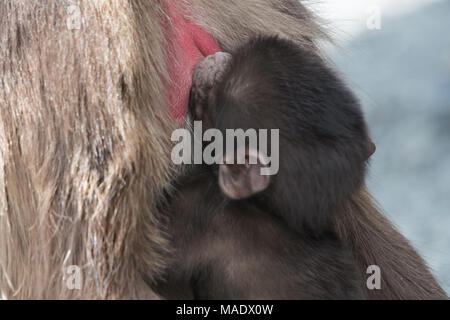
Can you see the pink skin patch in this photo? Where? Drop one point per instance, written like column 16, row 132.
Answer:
column 188, row 44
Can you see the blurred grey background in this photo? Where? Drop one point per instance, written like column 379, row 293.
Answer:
column 401, row 73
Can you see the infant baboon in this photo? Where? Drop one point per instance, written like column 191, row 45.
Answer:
column 238, row 234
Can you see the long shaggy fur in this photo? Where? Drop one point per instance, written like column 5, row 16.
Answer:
column 232, row 22
column 85, row 145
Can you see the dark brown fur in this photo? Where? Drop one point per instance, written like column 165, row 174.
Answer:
column 84, row 141
column 242, row 250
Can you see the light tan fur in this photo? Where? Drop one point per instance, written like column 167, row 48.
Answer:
column 85, row 147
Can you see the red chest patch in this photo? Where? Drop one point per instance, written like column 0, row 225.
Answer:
column 188, row 44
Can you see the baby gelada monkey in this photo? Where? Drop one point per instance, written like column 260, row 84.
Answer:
column 232, row 242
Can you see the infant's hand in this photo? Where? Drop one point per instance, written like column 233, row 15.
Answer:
column 207, row 74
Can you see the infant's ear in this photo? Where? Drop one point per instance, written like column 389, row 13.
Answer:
column 372, row 148
column 241, row 181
